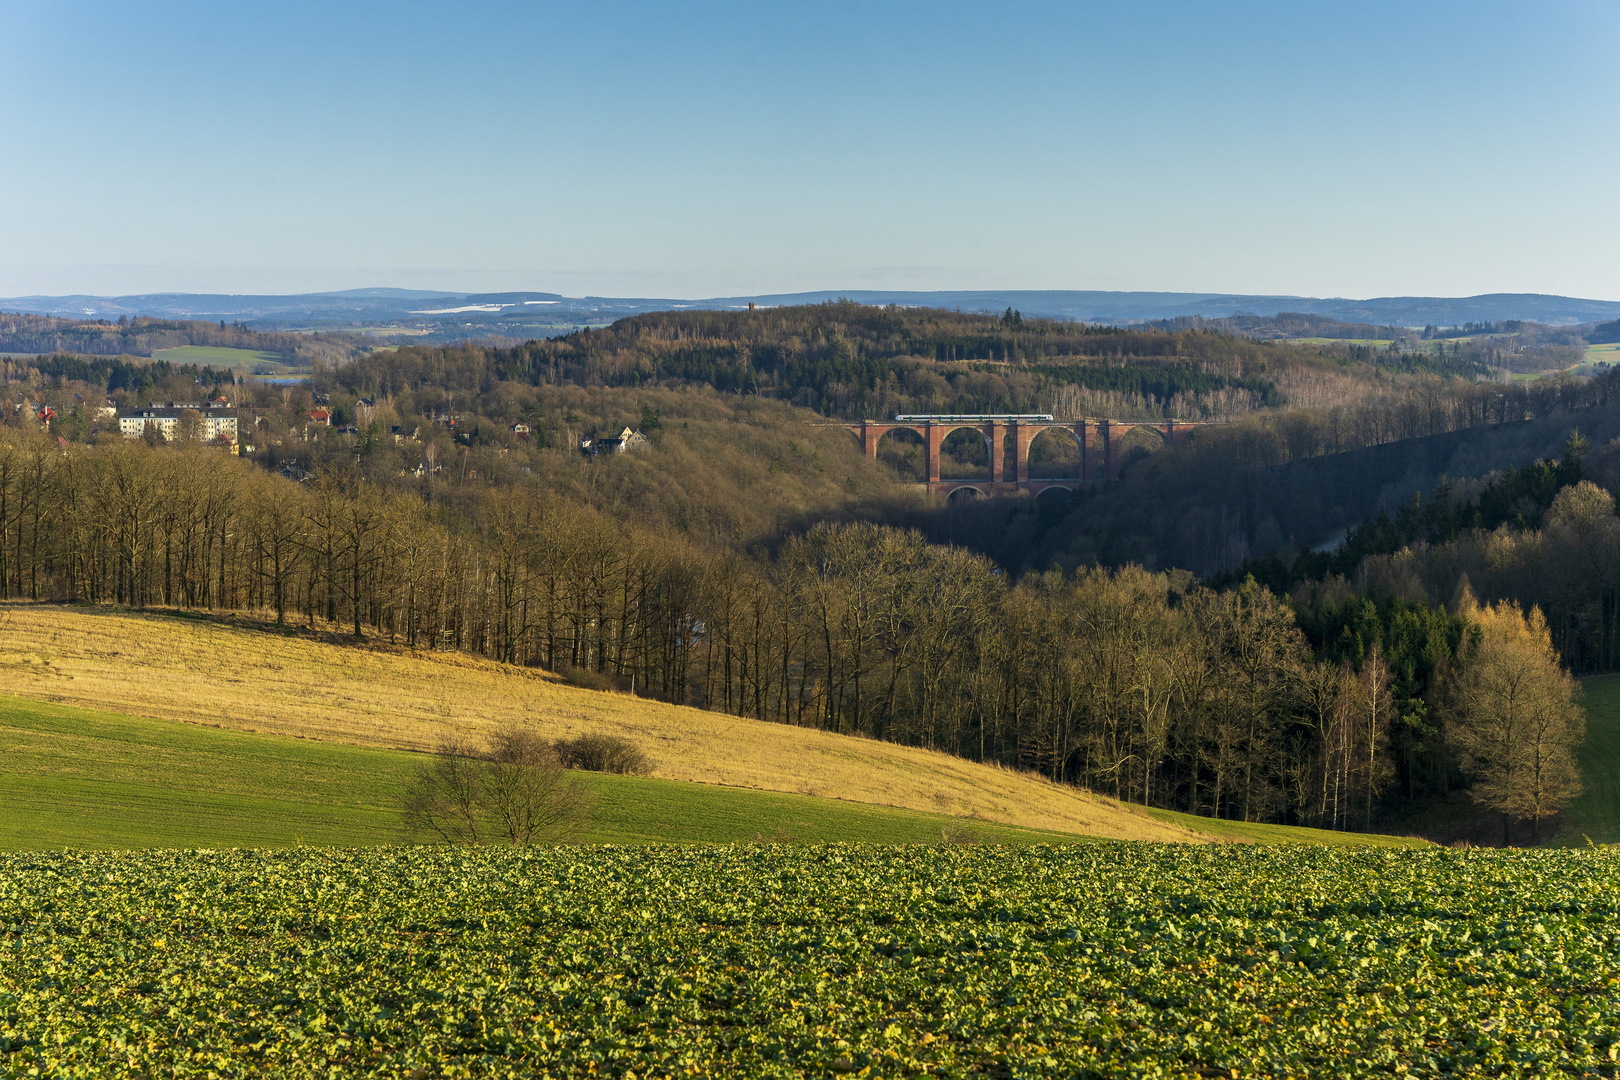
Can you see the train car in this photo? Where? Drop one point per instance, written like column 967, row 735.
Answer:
column 972, row 418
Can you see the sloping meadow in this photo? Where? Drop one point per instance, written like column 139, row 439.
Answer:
column 1115, row 958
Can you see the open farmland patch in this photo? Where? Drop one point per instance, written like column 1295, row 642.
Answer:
column 1113, row 959
column 223, row 357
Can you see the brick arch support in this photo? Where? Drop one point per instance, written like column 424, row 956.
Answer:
column 934, row 435
column 1099, row 443
column 869, row 434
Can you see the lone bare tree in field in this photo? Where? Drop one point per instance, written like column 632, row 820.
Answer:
column 445, row 799
column 527, row 790
column 517, row 792
column 1515, row 723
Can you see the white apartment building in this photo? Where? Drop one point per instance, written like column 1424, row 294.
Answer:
column 215, row 422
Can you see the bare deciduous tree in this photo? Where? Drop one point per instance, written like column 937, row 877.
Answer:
column 517, row 792
column 445, row 799
column 527, row 791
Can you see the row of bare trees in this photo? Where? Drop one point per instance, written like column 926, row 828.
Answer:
column 1141, row 685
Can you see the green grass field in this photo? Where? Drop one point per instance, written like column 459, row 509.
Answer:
column 1603, row 354
column 1261, row 833
column 79, row 778
column 248, row 360
column 1526, row 377
column 1377, row 343
column 1596, row 813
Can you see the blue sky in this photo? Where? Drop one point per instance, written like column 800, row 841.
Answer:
column 713, row 148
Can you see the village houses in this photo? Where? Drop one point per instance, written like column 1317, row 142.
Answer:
column 629, row 439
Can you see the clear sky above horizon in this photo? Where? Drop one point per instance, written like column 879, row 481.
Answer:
column 716, row 148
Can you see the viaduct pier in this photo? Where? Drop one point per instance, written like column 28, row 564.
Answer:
column 1010, row 435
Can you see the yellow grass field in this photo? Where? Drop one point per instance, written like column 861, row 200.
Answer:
column 252, row 678
column 1603, row 354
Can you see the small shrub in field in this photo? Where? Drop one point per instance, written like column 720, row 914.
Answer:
column 516, row 792
column 589, row 679
column 960, row 835
column 603, row 753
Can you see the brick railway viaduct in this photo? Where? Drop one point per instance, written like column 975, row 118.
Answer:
column 1099, row 442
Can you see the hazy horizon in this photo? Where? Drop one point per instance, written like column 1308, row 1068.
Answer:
column 402, row 291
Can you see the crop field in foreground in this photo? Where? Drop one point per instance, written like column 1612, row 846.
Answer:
column 784, row 960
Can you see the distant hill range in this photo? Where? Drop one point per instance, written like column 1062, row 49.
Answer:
column 526, row 314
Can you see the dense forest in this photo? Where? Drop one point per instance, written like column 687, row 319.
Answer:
column 745, row 559
column 850, row 361
column 138, row 380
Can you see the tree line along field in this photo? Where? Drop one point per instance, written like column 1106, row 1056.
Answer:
column 832, row 960
column 316, row 693
column 144, row 336
column 252, row 737
column 227, row 358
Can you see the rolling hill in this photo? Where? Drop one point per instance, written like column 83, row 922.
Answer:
column 286, row 736
column 84, row 778
column 233, row 676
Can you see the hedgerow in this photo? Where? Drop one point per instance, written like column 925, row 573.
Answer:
column 1101, row 959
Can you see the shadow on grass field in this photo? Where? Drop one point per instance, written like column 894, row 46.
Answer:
column 88, row 779
column 1246, row 832
column 1596, row 814
column 82, row 778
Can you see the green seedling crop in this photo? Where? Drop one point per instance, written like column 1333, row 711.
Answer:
column 1106, row 959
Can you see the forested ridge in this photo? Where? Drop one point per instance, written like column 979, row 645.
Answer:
column 142, row 336
column 749, row 561
column 851, row 361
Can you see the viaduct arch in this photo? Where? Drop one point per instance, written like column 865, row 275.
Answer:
column 1099, row 445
